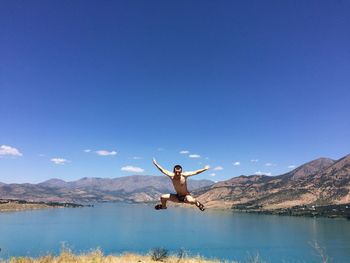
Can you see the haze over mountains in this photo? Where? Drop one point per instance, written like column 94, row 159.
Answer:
column 320, row 182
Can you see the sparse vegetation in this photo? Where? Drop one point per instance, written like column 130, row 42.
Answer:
column 155, row 255
column 181, row 254
column 96, row 256
column 159, row 254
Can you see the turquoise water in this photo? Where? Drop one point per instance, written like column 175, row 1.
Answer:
column 116, row 228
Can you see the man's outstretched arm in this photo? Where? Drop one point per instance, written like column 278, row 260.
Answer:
column 164, row 171
column 186, row 174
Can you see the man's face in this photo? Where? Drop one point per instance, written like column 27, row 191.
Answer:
column 178, row 170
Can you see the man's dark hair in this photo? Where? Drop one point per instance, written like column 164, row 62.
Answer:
column 177, row 167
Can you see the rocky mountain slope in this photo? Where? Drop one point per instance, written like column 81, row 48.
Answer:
column 137, row 188
column 319, row 182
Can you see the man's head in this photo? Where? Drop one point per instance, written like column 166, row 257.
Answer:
column 177, row 169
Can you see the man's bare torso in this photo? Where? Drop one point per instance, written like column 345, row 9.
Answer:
column 180, row 184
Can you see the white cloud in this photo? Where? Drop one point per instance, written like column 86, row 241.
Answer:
column 137, row 158
column 262, row 173
column 236, row 163
column 59, row 160
column 106, row 153
column 194, row 156
column 270, row 164
column 184, row 152
column 8, row 150
column 132, row 169
column 87, row 150
column 291, row 166
column 218, row 168
column 254, row 160
column 160, row 149
column 212, row 174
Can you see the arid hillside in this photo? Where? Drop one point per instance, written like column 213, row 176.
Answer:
column 319, row 182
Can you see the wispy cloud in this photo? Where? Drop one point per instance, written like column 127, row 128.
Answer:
column 59, row 160
column 160, row 149
column 236, row 163
column 184, row 152
column 270, row 164
column 106, row 153
column 194, row 156
column 137, row 158
column 291, row 166
column 218, row 168
column 6, row 150
column 212, row 174
column 132, row 169
column 87, row 150
column 263, row 173
column 254, row 160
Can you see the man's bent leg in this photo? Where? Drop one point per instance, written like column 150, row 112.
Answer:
column 164, row 198
column 191, row 200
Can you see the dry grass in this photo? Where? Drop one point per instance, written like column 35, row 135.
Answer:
column 97, row 257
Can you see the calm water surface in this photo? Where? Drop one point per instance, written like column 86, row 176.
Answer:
column 116, row 228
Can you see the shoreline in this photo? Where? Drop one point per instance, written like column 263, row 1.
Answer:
column 13, row 205
column 318, row 211
column 322, row 211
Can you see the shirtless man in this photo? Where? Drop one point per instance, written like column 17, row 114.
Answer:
column 179, row 180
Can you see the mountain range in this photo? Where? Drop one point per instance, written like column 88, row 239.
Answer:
column 320, row 182
column 136, row 188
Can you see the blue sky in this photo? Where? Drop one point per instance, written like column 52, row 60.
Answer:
column 249, row 86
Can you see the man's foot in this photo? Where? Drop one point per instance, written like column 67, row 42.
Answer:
column 158, row 207
column 200, row 206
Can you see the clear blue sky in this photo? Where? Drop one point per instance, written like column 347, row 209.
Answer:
column 231, row 81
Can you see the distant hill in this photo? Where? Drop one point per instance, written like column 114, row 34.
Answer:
column 136, row 188
column 320, row 182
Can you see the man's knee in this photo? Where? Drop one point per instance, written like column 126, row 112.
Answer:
column 190, row 199
column 165, row 196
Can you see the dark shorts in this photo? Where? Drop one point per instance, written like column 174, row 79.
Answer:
column 181, row 198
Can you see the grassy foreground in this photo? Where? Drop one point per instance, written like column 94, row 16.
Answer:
column 156, row 255
column 98, row 257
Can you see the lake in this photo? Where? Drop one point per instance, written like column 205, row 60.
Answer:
column 116, row 228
